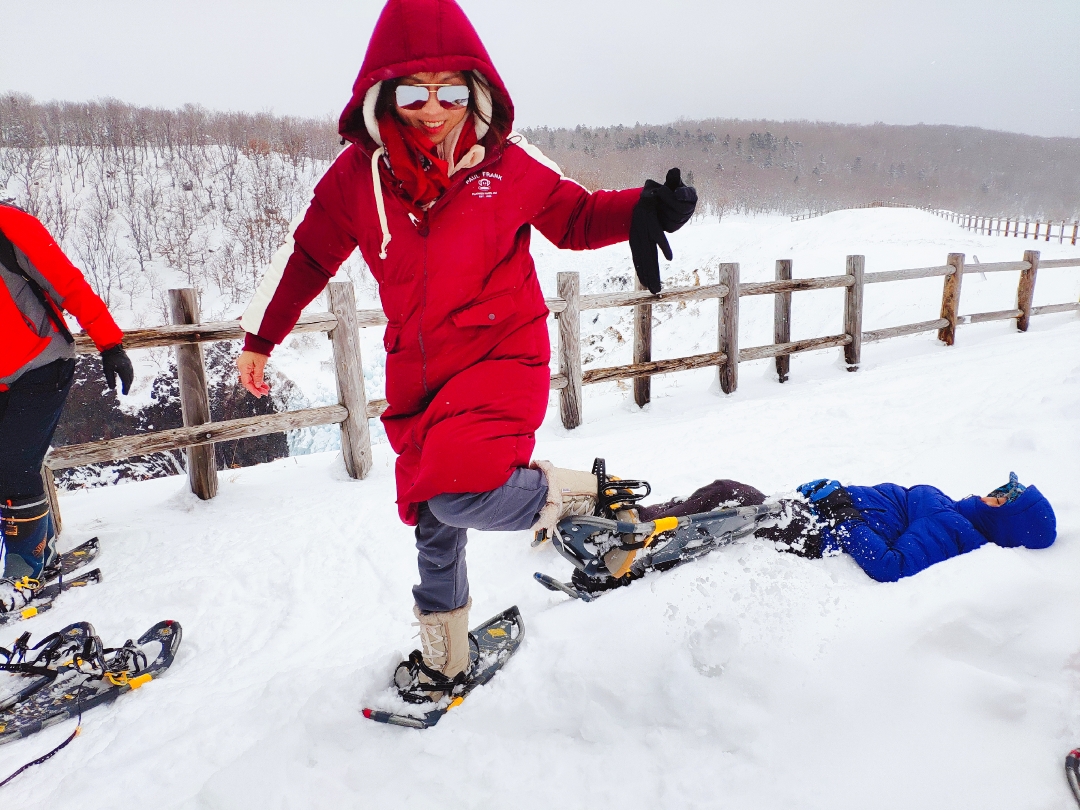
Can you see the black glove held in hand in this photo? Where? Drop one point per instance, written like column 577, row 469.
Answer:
column 660, row 208
column 115, row 362
column 830, row 501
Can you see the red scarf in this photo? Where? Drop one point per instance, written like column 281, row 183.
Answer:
column 417, row 174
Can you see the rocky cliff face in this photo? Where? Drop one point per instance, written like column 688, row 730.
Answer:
column 92, row 413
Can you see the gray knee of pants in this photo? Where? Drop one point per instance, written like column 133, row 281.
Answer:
column 441, row 534
column 512, row 507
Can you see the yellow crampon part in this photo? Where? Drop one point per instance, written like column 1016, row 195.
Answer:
column 124, row 679
column 661, row 525
column 27, row 583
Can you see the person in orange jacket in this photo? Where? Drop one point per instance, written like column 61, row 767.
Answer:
column 37, row 364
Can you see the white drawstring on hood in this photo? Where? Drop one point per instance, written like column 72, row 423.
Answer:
column 380, row 203
column 471, row 158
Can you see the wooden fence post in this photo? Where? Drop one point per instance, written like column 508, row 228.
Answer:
column 729, row 328
column 1076, row 227
column 853, row 307
column 194, row 396
column 1026, row 291
column 642, row 347
column 349, row 373
column 950, row 298
column 54, row 498
column 782, row 318
column 569, row 289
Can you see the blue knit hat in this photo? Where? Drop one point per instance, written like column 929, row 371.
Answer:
column 1027, row 519
column 1010, row 491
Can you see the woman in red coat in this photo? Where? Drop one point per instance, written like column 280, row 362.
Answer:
column 440, row 197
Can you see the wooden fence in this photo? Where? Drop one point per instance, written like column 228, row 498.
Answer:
column 1063, row 231
column 1048, row 231
column 352, row 412
column 820, row 212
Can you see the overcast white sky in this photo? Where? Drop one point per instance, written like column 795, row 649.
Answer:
column 1001, row 64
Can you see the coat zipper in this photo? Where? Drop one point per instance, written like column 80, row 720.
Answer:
column 424, row 228
column 420, row 320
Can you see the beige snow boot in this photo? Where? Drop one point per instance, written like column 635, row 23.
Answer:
column 445, row 641
column 570, row 492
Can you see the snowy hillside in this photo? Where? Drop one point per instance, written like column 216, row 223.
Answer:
column 749, row 679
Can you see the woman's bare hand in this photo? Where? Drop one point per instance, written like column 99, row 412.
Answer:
column 251, row 365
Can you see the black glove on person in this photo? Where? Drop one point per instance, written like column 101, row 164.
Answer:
column 660, row 208
column 830, row 501
column 115, row 363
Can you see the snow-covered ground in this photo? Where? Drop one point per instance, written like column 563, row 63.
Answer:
column 749, row 679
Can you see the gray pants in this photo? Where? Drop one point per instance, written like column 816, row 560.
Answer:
column 441, row 534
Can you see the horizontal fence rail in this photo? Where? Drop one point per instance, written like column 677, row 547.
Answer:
column 353, row 410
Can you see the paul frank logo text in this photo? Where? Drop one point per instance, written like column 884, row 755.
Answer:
column 484, row 184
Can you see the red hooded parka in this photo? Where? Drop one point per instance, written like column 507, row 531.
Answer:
column 467, row 376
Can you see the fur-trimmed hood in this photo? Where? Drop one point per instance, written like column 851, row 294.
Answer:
column 414, row 36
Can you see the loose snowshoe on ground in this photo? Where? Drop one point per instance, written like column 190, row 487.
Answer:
column 91, row 677
column 491, row 645
column 25, row 669
column 589, row 542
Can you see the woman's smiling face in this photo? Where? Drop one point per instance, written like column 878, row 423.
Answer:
column 435, row 120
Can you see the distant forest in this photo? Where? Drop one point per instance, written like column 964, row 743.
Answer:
column 134, row 190
column 795, row 166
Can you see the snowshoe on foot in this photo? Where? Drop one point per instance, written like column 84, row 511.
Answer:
column 71, row 561
column 25, row 598
column 595, row 493
column 590, row 543
column 429, row 675
column 490, row 646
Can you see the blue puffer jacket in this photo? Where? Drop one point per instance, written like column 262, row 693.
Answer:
column 904, row 530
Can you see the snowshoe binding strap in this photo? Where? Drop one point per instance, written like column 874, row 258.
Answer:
column 120, row 663
column 616, row 494
column 18, row 649
column 414, row 690
column 55, row 650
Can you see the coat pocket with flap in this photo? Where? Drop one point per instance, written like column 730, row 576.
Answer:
column 486, row 313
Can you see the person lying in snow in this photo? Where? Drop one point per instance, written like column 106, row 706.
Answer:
column 891, row 531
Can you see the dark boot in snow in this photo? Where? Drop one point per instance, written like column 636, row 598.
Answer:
column 28, row 536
